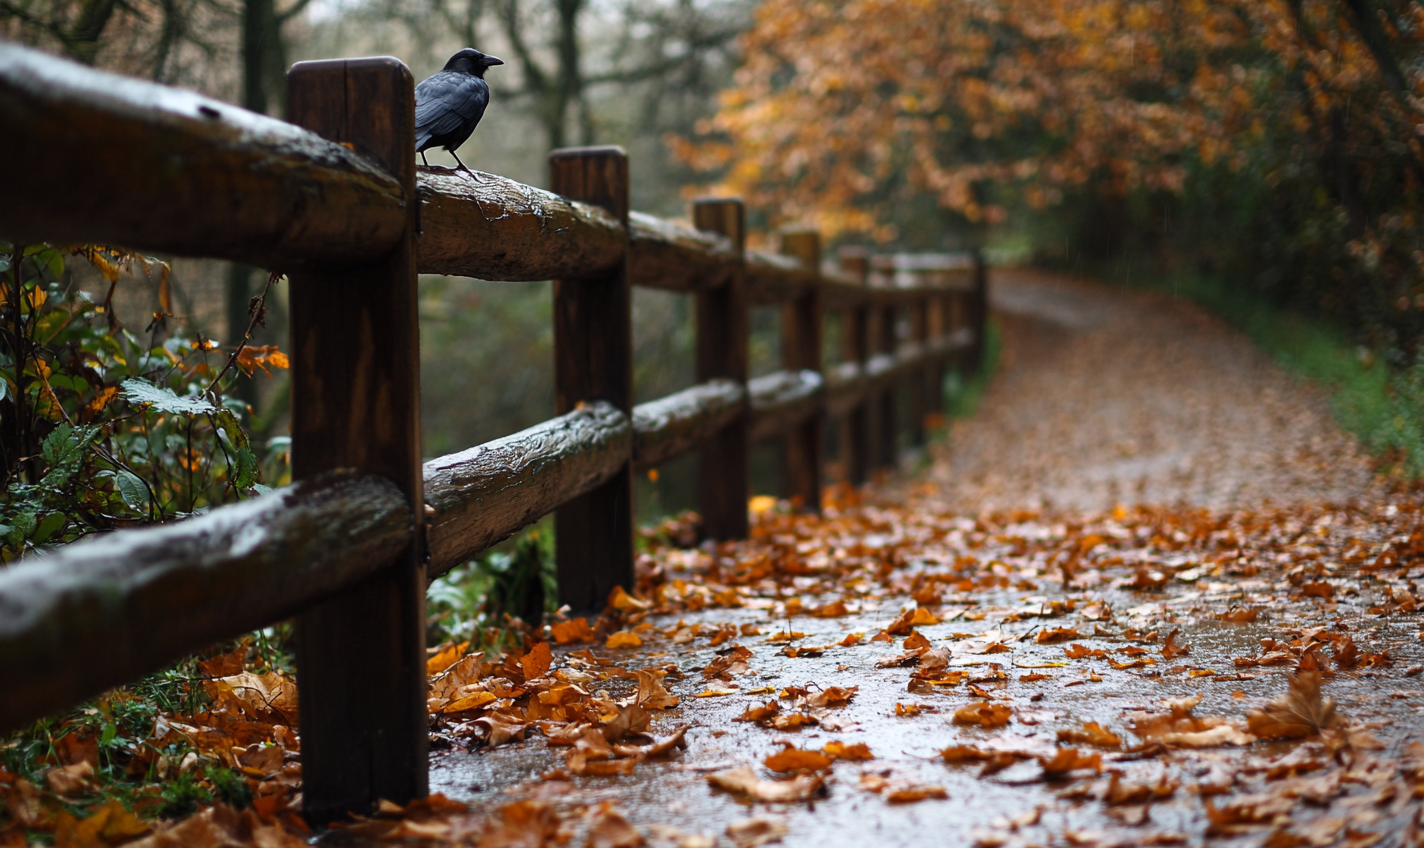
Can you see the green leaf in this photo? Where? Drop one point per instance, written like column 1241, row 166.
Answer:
column 139, row 391
column 53, row 447
column 246, row 472
column 227, row 422
column 48, row 526
column 21, row 527
column 132, row 490
column 108, row 733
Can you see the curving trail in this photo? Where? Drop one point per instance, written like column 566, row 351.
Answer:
column 1106, row 395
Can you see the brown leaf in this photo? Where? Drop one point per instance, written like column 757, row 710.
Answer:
column 984, row 714
column 848, row 751
column 1065, row 760
column 795, row 759
column 1171, row 650
column 749, row 833
column 220, row 825
column 1299, row 713
column 522, row 824
column 1049, row 636
column 652, row 694
column 745, row 782
column 70, row 779
column 612, row 830
column 574, row 630
column 1091, row 733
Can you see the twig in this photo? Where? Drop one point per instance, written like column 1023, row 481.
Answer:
column 261, row 303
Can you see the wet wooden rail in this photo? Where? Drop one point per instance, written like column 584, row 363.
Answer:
column 334, row 200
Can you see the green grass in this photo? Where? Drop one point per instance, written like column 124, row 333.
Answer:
column 1380, row 405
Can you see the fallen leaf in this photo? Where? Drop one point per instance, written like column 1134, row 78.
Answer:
column 1091, row 733
column 522, row 824
column 1299, row 713
column 749, row 833
column 848, row 751
column 574, row 630
column 623, row 639
column 1170, row 649
column 652, row 694
column 913, row 793
column 795, row 759
column 984, row 714
column 536, row 663
column 744, row 781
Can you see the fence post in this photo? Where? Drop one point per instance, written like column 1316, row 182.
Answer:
column 593, row 360
column 938, row 306
column 919, row 333
column 979, row 310
column 724, row 478
column 355, row 343
column 855, row 347
column 801, row 350
column 887, row 431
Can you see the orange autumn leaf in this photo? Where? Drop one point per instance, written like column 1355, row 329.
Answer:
column 623, row 639
column 536, row 663
column 984, row 714
column 250, row 358
column 794, row 759
column 574, row 630
column 848, row 751
column 445, row 657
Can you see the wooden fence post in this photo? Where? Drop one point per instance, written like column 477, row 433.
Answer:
column 979, row 310
column 801, row 350
column 855, row 347
column 919, row 333
column 355, row 344
column 724, row 462
column 887, row 429
column 938, row 306
column 593, row 360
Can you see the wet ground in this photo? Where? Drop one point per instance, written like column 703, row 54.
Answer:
column 1137, row 470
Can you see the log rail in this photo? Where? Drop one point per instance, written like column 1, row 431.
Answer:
column 347, row 546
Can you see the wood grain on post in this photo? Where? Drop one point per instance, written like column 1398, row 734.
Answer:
column 724, row 472
column 801, row 351
column 593, row 360
column 855, row 347
column 356, row 403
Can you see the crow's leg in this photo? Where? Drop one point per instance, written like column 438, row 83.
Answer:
column 462, row 167
column 423, row 159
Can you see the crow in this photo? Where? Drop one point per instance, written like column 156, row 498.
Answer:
column 450, row 102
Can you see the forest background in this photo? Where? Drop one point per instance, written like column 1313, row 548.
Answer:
column 1262, row 156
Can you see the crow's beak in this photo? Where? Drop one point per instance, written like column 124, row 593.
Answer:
column 491, row 60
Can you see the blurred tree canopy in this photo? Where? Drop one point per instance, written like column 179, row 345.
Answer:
column 1278, row 141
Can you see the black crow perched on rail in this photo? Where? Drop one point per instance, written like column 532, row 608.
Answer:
column 450, row 102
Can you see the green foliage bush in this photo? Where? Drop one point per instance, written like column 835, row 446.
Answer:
column 103, row 427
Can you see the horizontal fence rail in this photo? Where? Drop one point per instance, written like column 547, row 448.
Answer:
column 343, row 208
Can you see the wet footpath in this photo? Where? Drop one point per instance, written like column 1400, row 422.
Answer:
column 1148, row 594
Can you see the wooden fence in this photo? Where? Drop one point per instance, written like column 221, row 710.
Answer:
column 335, row 200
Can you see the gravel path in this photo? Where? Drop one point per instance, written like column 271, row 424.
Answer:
column 1107, row 395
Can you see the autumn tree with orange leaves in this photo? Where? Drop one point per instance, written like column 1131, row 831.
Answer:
column 1276, row 140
